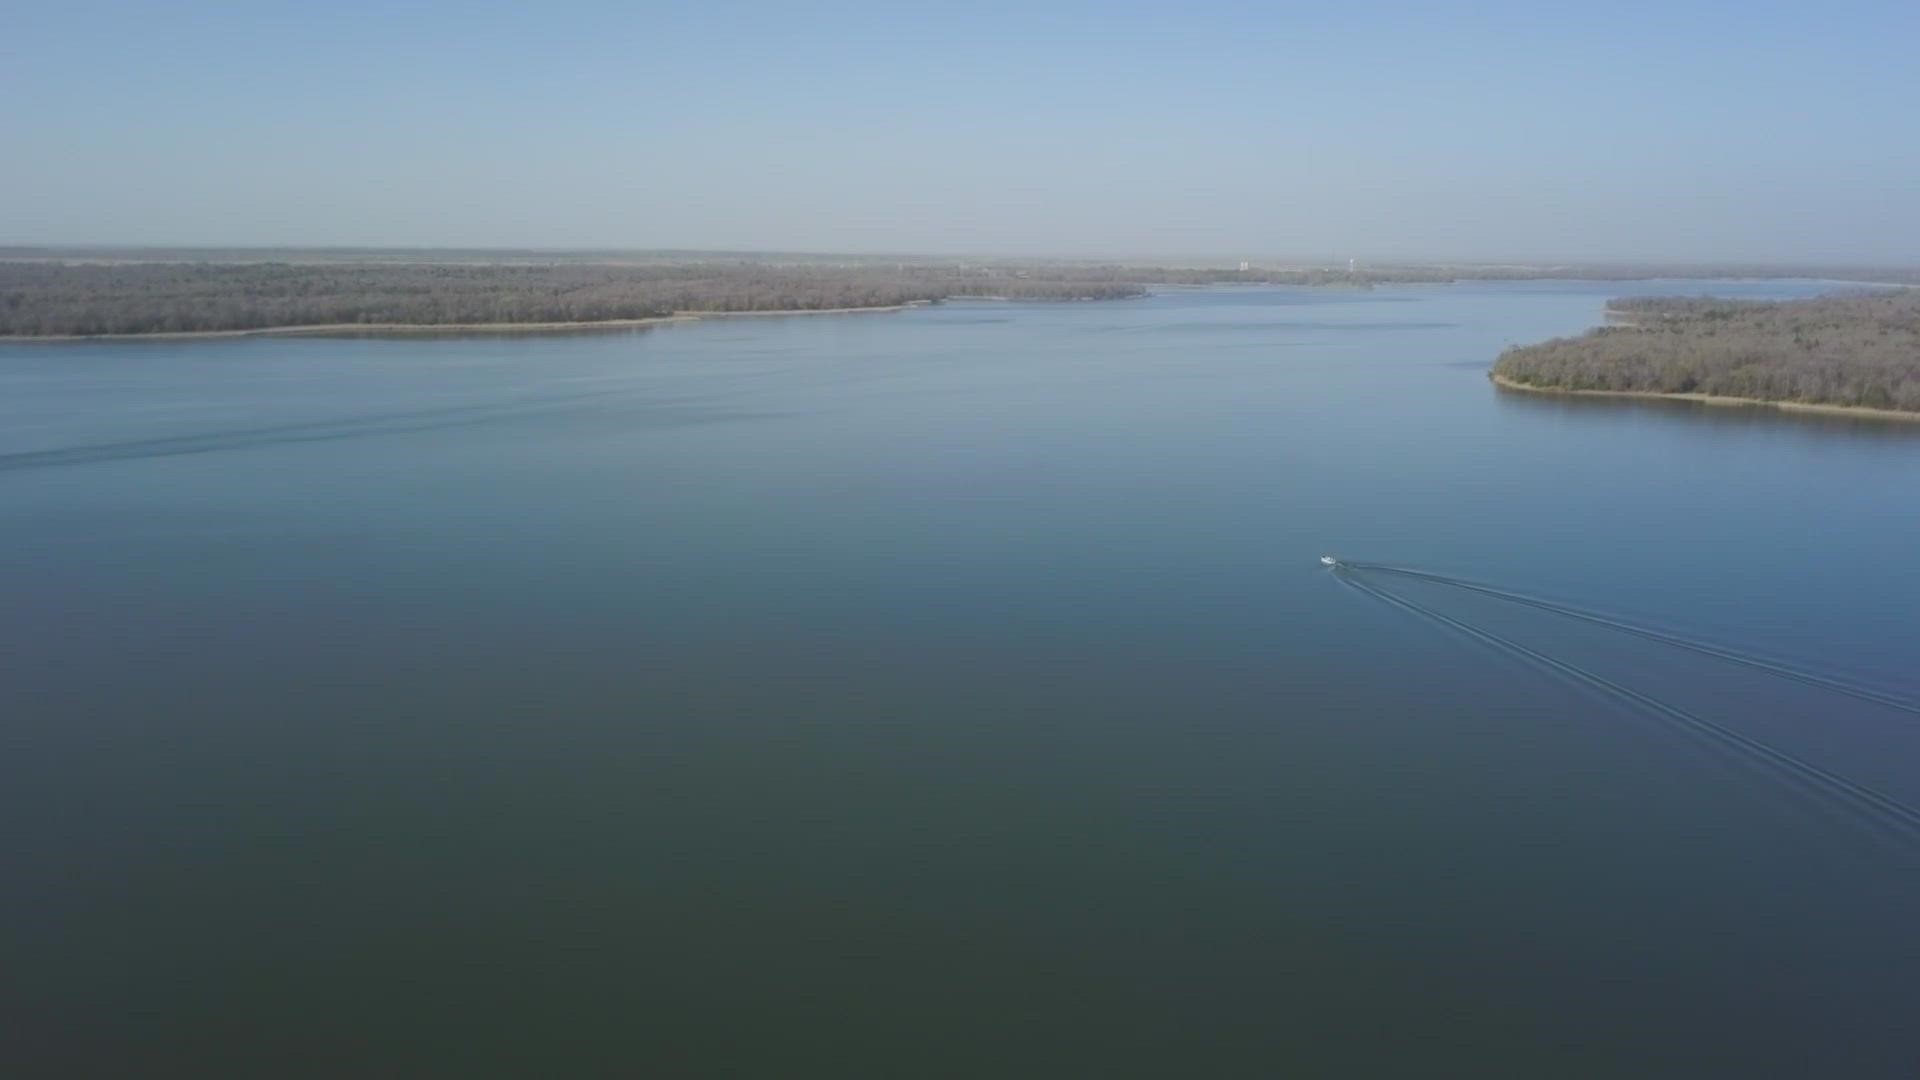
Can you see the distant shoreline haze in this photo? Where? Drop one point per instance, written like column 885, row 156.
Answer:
column 1856, row 352
column 1500, row 268
column 129, row 291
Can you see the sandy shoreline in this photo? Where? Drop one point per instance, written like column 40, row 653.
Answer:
column 1862, row 411
column 429, row 329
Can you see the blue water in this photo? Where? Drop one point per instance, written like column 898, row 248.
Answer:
column 954, row 691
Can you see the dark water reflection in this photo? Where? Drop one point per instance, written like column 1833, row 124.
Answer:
column 1705, row 413
column 950, row 692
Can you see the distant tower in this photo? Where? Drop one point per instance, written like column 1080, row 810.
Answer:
column 1243, row 266
column 1350, row 264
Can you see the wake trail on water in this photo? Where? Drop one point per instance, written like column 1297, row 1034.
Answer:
column 1717, row 652
column 1869, row 807
column 393, row 423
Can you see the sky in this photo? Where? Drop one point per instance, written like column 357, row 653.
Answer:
column 1673, row 131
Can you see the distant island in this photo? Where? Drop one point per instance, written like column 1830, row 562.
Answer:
column 113, row 292
column 1859, row 353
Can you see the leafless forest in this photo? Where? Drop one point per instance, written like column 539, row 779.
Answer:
column 51, row 292
column 40, row 298
column 1859, row 350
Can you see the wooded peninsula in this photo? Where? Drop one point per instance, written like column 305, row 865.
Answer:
column 69, row 292
column 1847, row 351
column 85, row 299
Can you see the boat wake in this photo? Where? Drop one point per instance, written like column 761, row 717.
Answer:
column 1717, row 652
column 356, row 427
column 1870, row 808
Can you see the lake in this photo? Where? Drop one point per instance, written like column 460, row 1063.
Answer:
column 952, row 692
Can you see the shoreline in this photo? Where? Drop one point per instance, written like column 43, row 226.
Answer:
column 1718, row 400
column 399, row 330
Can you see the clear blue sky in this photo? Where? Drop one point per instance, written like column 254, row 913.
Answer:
column 1670, row 130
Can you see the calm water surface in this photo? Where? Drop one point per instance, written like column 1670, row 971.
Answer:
column 953, row 692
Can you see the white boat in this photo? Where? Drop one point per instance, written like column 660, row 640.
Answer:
column 1328, row 560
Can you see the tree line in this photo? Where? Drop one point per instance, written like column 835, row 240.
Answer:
column 1854, row 350
column 137, row 291
column 40, row 298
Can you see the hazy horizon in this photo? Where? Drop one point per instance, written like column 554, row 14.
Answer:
column 1671, row 133
column 1257, row 260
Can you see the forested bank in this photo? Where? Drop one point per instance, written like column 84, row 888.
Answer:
column 1860, row 351
column 64, row 298
column 57, row 292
